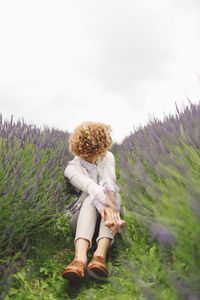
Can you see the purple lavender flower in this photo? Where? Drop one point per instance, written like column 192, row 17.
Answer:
column 163, row 235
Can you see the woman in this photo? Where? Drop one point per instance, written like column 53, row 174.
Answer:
column 92, row 171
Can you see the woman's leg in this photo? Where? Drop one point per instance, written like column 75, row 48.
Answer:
column 81, row 248
column 97, row 266
column 102, row 247
column 83, row 224
column 86, row 221
column 81, row 245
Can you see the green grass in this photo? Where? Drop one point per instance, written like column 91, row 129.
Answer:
column 36, row 242
column 139, row 267
column 133, row 256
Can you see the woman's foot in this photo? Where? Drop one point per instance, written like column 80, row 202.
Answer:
column 97, row 267
column 74, row 272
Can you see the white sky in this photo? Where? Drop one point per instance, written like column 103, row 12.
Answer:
column 112, row 61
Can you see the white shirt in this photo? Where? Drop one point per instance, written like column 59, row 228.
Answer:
column 96, row 179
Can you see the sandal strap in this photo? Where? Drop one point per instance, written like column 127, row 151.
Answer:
column 77, row 262
column 98, row 262
column 98, row 258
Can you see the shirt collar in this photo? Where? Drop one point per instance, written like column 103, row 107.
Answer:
column 88, row 165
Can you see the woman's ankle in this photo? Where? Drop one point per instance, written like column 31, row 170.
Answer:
column 96, row 253
column 84, row 259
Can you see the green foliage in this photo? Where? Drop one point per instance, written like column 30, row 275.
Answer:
column 32, row 193
column 132, row 254
column 156, row 257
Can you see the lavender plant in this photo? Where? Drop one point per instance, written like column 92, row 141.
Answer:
column 158, row 168
column 32, row 186
column 160, row 171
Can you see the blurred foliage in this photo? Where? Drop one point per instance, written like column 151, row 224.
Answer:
column 159, row 176
column 156, row 257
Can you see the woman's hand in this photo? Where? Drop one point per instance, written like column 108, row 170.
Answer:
column 112, row 219
column 111, row 216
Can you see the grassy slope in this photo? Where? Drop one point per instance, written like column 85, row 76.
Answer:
column 50, row 255
column 134, row 253
column 139, row 267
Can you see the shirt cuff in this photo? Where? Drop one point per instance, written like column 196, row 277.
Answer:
column 110, row 186
column 99, row 200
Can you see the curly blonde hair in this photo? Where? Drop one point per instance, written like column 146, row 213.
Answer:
column 90, row 139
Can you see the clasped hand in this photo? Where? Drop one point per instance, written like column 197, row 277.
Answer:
column 111, row 216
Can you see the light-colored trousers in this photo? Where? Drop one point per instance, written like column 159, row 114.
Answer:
column 83, row 222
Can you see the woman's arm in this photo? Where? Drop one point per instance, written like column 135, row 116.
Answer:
column 111, row 200
column 111, row 216
column 110, row 211
column 108, row 180
column 82, row 182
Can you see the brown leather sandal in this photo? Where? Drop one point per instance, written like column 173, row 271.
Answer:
column 74, row 272
column 97, row 267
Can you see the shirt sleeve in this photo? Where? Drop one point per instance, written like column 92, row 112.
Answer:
column 82, row 182
column 108, row 180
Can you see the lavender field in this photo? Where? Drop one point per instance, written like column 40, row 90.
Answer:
column 158, row 172
column 32, row 187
